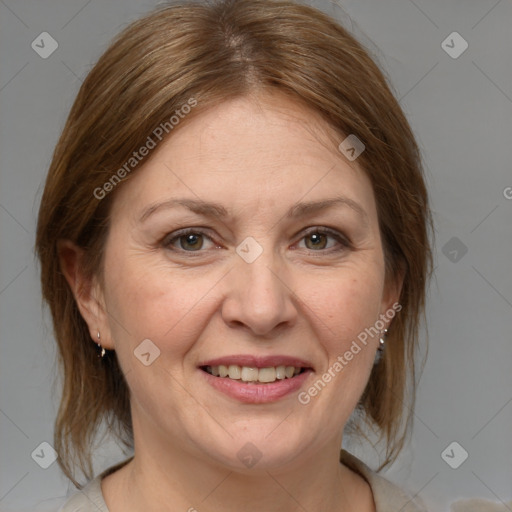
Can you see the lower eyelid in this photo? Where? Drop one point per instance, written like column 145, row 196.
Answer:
column 340, row 240
column 338, row 237
column 168, row 242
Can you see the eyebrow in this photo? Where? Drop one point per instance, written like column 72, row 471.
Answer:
column 216, row 210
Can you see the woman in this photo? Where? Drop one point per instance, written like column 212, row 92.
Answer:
column 234, row 246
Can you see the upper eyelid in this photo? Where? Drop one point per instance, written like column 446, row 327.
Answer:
column 340, row 237
column 334, row 233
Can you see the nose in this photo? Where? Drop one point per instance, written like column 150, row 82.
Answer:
column 258, row 297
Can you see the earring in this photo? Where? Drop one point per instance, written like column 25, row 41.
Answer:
column 102, row 353
column 380, row 350
column 382, row 339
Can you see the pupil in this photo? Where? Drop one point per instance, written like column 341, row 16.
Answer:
column 316, row 239
column 192, row 241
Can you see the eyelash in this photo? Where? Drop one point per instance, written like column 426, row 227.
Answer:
column 341, row 239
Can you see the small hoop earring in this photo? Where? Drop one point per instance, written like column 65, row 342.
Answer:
column 380, row 350
column 102, row 351
column 382, row 339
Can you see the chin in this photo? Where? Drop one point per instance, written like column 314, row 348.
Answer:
column 255, row 449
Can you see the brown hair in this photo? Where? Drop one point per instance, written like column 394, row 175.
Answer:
column 211, row 52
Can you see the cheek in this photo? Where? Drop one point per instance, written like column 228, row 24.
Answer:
column 346, row 309
column 341, row 309
column 149, row 302
column 168, row 308
column 349, row 304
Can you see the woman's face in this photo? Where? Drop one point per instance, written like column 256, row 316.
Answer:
column 265, row 278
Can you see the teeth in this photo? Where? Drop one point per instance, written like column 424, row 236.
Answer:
column 234, row 372
column 251, row 374
column 280, row 372
column 267, row 375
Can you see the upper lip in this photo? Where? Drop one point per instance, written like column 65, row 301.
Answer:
column 258, row 361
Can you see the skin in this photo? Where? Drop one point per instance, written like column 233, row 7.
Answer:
column 201, row 302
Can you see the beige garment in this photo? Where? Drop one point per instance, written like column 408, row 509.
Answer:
column 387, row 496
column 480, row 505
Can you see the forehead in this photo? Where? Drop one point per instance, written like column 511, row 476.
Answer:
column 245, row 152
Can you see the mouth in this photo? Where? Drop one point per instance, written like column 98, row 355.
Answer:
column 256, row 380
column 254, row 375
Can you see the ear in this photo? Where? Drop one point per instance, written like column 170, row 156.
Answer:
column 87, row 292
column 391, row 296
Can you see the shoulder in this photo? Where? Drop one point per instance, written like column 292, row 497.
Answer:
column 88, row 499
column 388, row 497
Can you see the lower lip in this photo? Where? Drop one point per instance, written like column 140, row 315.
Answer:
column 256, row 393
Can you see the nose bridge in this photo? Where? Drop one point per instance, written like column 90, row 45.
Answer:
column 258, row 297
column 262, row 276
column 257, row 259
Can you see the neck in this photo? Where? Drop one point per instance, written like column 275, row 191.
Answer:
column 181, row 481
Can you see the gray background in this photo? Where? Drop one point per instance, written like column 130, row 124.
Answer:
column 461, row 111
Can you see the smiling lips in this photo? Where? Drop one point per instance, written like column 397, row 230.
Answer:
column 251, row 375
column 256, row 380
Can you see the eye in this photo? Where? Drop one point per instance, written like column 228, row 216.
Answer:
column 316, row 239
column 188, row 240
